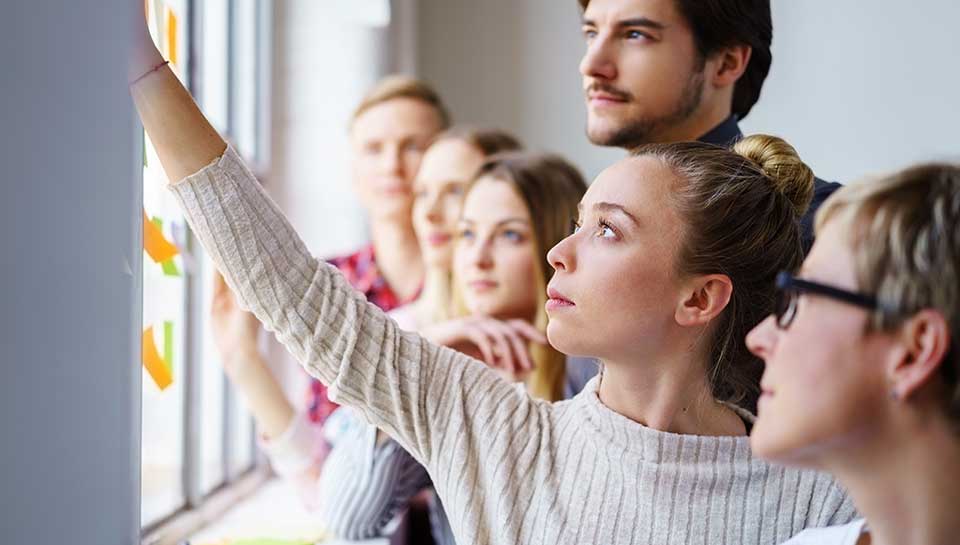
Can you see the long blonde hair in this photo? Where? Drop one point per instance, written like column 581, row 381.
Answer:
column 436, row 302
column 550, row 188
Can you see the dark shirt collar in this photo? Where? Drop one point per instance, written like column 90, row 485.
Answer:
column 724, row 134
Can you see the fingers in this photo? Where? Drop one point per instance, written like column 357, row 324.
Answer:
column 529, row 331
column 521, row 354
column 510, row 345
column 479, row 338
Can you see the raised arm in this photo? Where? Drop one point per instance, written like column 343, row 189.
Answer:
column 422, row 395
column 183, row 138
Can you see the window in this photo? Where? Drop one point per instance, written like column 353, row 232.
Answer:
column 197, row 438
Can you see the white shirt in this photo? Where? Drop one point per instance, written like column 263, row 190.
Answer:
column 848, row 534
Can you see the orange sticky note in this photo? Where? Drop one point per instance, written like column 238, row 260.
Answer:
column 173, row 52
column 156, row 245
column 158, row 369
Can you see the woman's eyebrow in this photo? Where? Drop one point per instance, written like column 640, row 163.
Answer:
column 611, row 207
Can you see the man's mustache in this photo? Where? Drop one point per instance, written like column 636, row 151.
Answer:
column 598, row 87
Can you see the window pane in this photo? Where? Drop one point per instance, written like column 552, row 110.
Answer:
column 211, row 436
column 163, row 320
column 244, row 59
column 213, row 62
column 241, row 451
column 164, row 304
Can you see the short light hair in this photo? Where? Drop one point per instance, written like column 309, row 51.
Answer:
column 904, row 229
column 397, row 86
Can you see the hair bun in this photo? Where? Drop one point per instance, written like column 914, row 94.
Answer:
column 782, row 166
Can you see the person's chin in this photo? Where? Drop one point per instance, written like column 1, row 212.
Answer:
column 392, row 208
column 561, row 339
column 602, row 131
column 773, row 443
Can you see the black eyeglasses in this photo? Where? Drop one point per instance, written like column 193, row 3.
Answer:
column 789, row 289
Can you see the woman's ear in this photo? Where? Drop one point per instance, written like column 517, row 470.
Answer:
column 705, row 298
column 925, row 342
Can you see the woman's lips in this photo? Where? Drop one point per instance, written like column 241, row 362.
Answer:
column 556, row 300
column 481, row 286
column 438, row 239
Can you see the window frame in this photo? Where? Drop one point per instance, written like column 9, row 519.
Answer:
column 201, row 508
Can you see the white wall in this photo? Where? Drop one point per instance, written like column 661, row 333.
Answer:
column 326, row 57
column 856, row 86
column 513, row 65
column 864, row 87
column 70, row 255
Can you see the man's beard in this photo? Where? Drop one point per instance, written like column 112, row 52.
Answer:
column 636, row 132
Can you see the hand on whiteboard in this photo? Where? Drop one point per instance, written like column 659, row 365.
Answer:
column 235, row 330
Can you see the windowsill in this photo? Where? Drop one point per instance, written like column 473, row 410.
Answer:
column 273, row 512
column 179, row 526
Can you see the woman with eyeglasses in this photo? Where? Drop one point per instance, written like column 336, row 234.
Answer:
column 674, row 259
column 862, row 368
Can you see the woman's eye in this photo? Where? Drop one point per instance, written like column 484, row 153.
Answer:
column 513, row 236
column 589, row 34
column 605, row 231
column 414, row 147
column 465, row 234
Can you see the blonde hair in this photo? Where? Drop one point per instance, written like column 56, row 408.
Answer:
column 741, row 211
column 398, row 86
column 488, row 142
column 904, row 229
column 550, row 188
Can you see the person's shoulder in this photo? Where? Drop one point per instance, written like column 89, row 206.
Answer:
column 846, row 534
column 823, row 189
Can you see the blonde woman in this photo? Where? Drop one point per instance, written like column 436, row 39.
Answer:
column 674, row 261
column 862, row 368
column 515, row 207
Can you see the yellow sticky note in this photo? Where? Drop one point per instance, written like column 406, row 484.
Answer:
column 156, row 245
column 173, row 50
column 159, row 371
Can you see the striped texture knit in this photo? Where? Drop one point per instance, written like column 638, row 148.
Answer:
column 508, row 468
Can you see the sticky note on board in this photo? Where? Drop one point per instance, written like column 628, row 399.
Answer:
column 168, row 266
column 157, row 246
column 168, row 345
column 173, row 46
column 156, row 367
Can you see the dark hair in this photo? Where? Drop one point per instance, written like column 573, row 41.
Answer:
column 741, row 212
column 717, row 24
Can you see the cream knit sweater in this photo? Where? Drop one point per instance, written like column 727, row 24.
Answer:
column 509, row 469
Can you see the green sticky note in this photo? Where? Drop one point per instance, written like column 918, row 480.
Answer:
column 168, row 345
column 170, row 268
